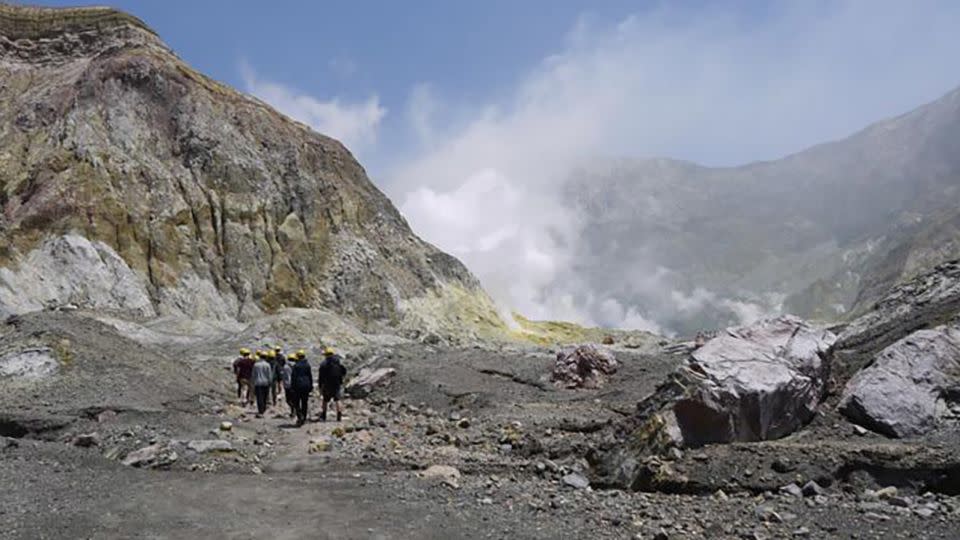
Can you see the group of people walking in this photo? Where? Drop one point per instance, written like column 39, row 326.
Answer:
column 264, row 375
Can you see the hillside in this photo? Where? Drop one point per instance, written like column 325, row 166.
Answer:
column 131, row 184
column 820, row 233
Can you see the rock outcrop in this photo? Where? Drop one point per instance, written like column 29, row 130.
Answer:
column 926, row 301
column 911, row 388
column 130, row 182
column 367, row 380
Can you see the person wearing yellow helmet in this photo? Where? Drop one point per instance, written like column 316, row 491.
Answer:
column 285, row 379
column 330, row 375
column 278, row 365
column 301, row 385
column 262, row 379
column 244, row 353
column 243, row 367
column 275, row 371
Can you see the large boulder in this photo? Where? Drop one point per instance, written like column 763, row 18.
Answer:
column 911, row 385
column 586, row 366
column 750, row 383
column 756, row 382
column 367, row 380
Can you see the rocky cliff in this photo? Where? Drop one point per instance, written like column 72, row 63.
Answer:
column 131, row 183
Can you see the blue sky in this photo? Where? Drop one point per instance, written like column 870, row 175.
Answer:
column 469, row 114
column 473, row 54
column 352, row 50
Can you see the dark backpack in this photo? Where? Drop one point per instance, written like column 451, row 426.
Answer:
column 332, row 372
column 301, row 377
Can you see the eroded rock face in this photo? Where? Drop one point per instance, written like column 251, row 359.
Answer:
column 218, row 206
column 755, row 383
column 928, row 300
column 586, row 366
column 29, row 365
column 911, row 386
column 71, row 269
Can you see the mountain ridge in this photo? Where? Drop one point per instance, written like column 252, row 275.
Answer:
column 820, row 229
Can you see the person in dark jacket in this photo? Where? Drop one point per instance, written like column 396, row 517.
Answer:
column 278, row 367
column 262, row 380
column 244, row 353
column 301, row 382
column 244, row 372
column 330, row 377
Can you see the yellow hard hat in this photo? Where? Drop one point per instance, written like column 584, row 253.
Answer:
column 261, row 354
column 301, row 353
column 271, row 354
column 244, row 352
column 328, row 351
column 277, row 348
column 291, row 356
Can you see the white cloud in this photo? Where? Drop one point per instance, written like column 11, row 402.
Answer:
column 355, row 124
column 422, row 110
column 706, row 86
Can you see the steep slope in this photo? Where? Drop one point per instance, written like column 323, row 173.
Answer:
column 130, row 182
column 827, row 230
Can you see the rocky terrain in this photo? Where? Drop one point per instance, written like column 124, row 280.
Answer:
column 155, row 221
column 119, row 438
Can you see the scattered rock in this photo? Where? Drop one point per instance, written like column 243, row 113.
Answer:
column 210, row 445
column 924, row 511
column 576, row 481
column 319, row 445
column 768, row 514
column 226, row 426
column 792, row 490
column 142, row 457
column 812, row 489
column 445, row 473
column 783, row 466
column 87, row 440
column 586, row 366
column 886, row 492
column 898, row 501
